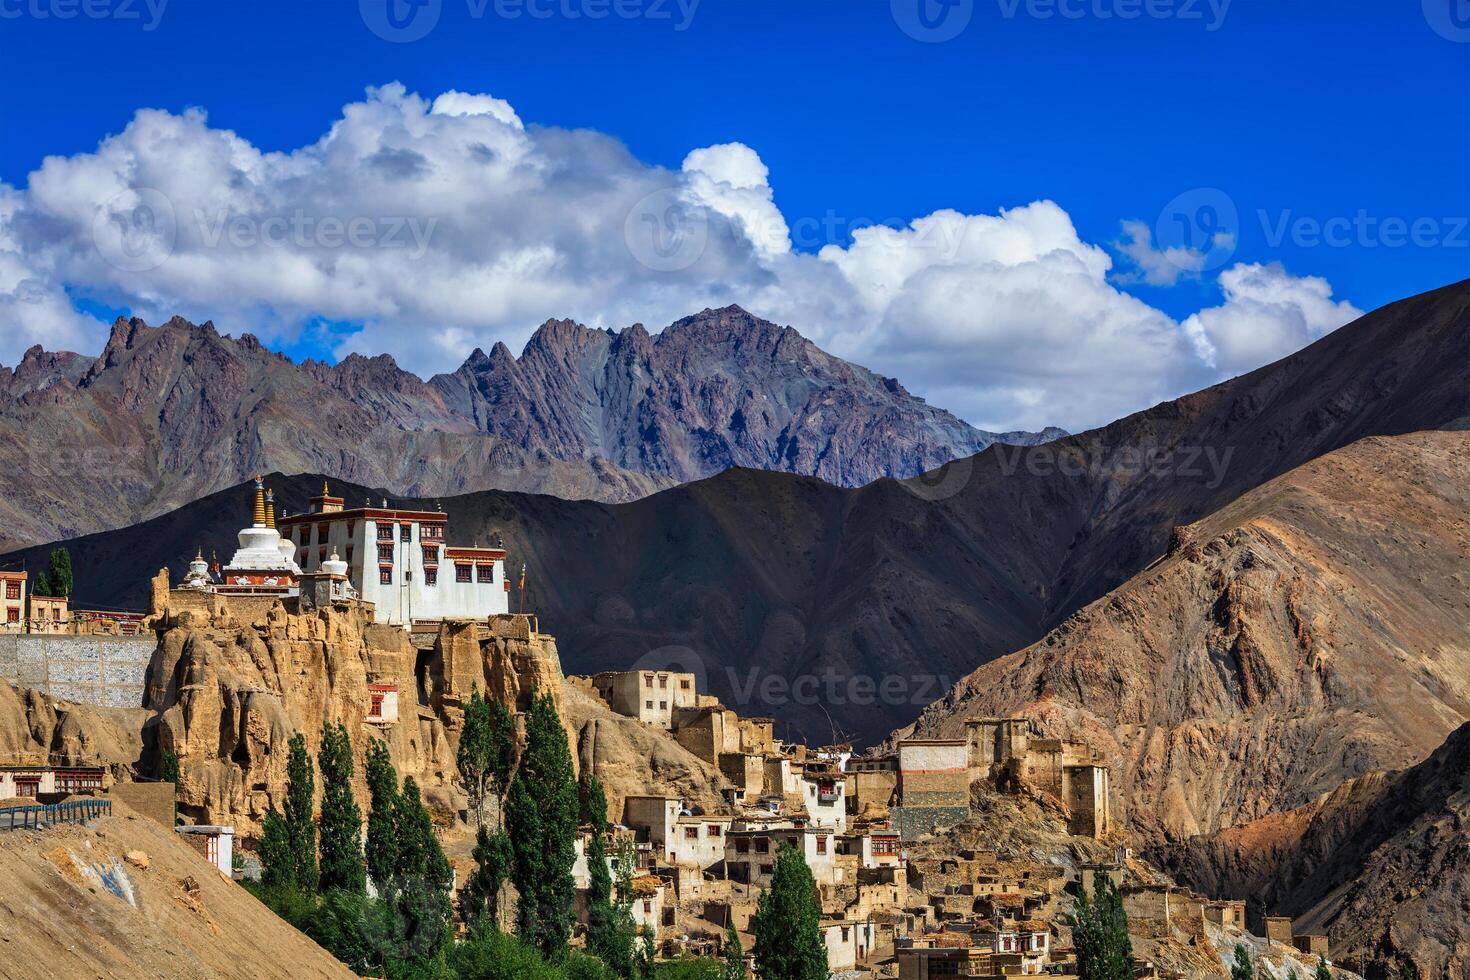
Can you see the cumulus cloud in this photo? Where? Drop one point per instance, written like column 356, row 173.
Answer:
column 436, row 225
column 1267, row 314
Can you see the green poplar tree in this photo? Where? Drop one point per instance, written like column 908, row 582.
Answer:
column 502, row 751
column 787, row 923
column 541, row 818
column 341, row 820
column 424, row 878
column 473, row 754
column 733, row 955
column 277, row 856
column 480, row 898
column 610, row 927
column 382, row 837
column 1324, row 972
column 300, row 788
column 1100, row 934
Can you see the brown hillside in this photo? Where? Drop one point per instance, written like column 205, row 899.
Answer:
column 59, row 919
column 1306, row 633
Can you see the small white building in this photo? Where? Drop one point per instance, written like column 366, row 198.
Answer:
column 678, row 838
column 217, row 844
column 752, row 844
column 30, row 782
column 382, row 704
column 648, row 695
column 848, row 941
column 823, row 792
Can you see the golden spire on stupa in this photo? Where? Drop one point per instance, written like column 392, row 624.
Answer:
column 270, row 508
column 259, row 517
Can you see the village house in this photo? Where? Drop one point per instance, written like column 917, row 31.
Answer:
column 13, row 593
column 933, row 785
column 823, row 794
column 47, row 783
column 848, row 942
column 678, row 838
column 648, row 695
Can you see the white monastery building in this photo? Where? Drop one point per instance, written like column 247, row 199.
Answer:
column 399, row 561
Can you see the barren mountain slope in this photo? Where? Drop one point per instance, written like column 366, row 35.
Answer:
column 1380, row 864
column 168, row 414
column 1314, row 629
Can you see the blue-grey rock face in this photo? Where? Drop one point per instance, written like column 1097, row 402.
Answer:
column 712, row 391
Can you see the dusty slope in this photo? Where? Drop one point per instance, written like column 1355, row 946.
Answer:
column 769, row 578
column 168, row 414
column 58, row 919
column 1314, row 629
column 1380, row 864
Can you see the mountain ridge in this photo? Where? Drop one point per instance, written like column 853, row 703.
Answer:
column 166, row 414
column 768, row 578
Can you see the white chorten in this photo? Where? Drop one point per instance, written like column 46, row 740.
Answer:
column 264, row 561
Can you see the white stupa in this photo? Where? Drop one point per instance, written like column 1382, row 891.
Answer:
column 264, row 562
column 198, row 575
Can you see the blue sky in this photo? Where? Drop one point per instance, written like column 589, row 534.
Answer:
column 1291, row 113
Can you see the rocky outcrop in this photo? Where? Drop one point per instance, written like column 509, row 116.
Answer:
column 1379, row 864
column 36, row 728
column 1315, row 630
column 168, row 414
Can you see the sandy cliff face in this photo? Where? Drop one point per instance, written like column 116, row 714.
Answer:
column 233, row 679
column 1311, row 631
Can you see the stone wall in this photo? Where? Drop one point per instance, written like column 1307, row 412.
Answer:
column 152, row 800
column 108, row 671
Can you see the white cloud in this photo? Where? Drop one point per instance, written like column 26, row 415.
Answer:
column 1267, row 314
column 444, row 224
column 1159, row 267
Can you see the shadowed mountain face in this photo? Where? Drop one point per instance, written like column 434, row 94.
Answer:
column 1379, row 865
column 168, row 414
column 854, row 608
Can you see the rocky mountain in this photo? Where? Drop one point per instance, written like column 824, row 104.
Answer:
column 852, row 609
column 1379, row 864
column 168, row 414
column 1314, row 629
